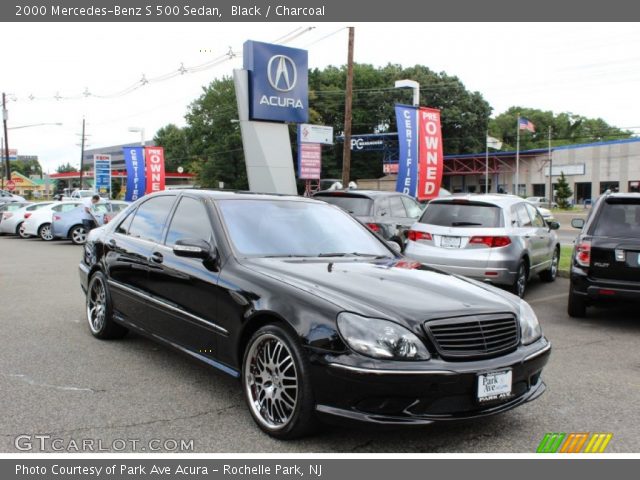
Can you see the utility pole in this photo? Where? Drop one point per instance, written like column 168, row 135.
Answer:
column 346, row 151
column 82, row 153
column 5, row 117
column 550, row 172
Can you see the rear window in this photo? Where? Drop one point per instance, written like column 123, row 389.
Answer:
column 619, row 218
column 358, row 206
column 467, row 215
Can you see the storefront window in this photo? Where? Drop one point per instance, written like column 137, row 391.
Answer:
column 634, row 186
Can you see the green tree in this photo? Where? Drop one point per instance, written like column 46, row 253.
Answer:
column 176, row 147
column 566, row 129
column 66, row 168
column 563, row 191
column 27, row 167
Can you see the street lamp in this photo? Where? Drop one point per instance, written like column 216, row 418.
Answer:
column 136, row 130
column 58, row 124
column 412, row 84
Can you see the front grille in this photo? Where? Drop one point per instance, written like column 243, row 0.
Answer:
column 477, row 336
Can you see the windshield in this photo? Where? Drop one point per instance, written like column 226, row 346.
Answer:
column 450, row 214
column 358, row 206
column 619, row 219
column 294, row 228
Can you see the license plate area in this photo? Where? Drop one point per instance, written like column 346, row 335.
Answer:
column 494, row 386
column 449, row 242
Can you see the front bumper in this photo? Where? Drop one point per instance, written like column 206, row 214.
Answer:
column 398, row 393
column 601, row 289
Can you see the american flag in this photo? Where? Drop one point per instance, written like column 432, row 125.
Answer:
column 526, row 124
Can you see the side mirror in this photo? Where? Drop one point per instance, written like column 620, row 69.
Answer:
column 577, row 223
column 394, row 246
column 192, row 248
column 553, row 225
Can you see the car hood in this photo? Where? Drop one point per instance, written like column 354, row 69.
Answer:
column 398, row 289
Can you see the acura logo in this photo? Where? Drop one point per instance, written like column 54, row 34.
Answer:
column 282, row 73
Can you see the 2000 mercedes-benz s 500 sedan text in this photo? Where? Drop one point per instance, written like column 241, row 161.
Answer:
column 314, row 313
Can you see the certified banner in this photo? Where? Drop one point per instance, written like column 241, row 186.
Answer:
column 102, row 174
column 136, row 179
column 430, row 154
column 406, row 118
column 154, row 157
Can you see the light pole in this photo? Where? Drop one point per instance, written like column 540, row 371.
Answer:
column 138, row 129
column 413, row 85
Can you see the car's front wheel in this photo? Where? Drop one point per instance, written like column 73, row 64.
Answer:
column 275, row 378
column 100, row 311
column 78, row 235
column 45, row 232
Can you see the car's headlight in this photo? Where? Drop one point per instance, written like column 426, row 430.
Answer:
column 380, row 338
column 529, row 325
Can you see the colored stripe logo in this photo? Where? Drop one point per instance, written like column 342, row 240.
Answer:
column 576, row 442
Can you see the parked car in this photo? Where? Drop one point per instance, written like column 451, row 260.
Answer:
column 76, row 194
column 605, row 264
column 546, row 213
column 389, row 214
column 8, row 197
column 38, row 224
column 500, row 239
column 541, row 202
column 9, row 208
column 314, row 313
column 68, row 224
column 13, row 222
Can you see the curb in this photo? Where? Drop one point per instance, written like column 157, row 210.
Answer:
column 563, row 273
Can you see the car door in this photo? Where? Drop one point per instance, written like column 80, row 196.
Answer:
column 541, row 240
column 183, row 305
column 127, row 255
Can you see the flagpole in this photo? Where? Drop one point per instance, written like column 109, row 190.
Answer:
column 486, row 164
column 550, row 172
column 517, row 157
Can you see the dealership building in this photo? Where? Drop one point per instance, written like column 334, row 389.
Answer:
column 590, row 169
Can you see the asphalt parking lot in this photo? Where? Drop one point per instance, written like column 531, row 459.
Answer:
column 57, row 380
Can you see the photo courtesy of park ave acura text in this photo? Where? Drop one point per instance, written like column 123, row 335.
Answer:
column 290, row 239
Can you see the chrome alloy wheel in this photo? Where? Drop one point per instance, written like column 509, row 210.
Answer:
column 554, row 263
column 96, row 305
column 521, row 284
column 79, row 235
column 46, row 233
column 271, row 381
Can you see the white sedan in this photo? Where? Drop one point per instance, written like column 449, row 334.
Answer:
column 39, row 222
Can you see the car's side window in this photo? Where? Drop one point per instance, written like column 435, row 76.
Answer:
column 124, row 225
column 397, row 207
column 382, row 207
column 412, row 207
column 57, row 208
column 538, row 221
column 522, row 215
column 150, row 218
column 190, row 220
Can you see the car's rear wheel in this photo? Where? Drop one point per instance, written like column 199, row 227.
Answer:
column 550, row 274
column 519, row 286
column 275, row 378
column 78, row 235
column 577, row 305
column 20, row 231
column 99, row 310
column 45, row 232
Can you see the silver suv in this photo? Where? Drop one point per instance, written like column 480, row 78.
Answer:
column 501, row 239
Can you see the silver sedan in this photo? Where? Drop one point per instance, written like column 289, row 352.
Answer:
column 501, row 239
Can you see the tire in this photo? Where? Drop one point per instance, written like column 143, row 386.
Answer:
column 282, row 410
column 45, row 232
column 519, row 286
column 577, row 305
column 99, row 310
column 550, row 274
column 78, row 235
column 20, row 231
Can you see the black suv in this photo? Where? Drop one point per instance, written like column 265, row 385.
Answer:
column 605, row 265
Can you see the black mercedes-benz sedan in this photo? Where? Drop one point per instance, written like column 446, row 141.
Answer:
column 315, row 314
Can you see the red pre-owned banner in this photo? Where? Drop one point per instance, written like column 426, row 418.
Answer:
column 154, row 159
column 430, row 158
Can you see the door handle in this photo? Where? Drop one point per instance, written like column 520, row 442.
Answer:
column 156, row 257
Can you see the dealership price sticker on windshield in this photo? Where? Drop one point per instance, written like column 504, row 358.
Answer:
column 494, row 385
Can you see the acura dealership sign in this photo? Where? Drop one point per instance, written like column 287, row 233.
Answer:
column 278, row 82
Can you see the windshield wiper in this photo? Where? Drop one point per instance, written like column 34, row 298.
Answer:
column 352, row 254
column 463, row 224
column 286, row 256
